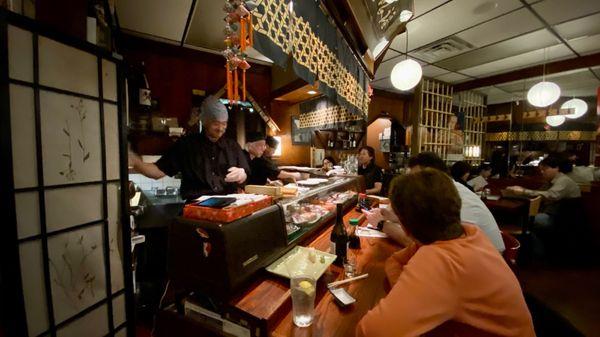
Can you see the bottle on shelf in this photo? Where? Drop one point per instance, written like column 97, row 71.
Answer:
column 339, row 237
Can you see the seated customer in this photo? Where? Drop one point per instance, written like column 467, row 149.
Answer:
column 328, row 163
column 559, row 187
column 368, row 169
column 473, row 210
column 460, row 172
column 480, row 182
column 451, row 281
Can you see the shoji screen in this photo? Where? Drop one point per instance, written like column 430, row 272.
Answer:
column 61, row 150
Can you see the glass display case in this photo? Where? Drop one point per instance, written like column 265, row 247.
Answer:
column 315, row 205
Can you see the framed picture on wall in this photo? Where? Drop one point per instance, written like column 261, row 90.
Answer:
column 300, row 136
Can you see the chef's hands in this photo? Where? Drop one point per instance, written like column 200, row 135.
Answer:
column 236, row 175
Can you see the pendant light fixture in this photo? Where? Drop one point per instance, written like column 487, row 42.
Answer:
column 543, row 93
column 406, row 74
column 555, row 120
column 579, row 105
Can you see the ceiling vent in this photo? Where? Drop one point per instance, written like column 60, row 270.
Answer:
column 442, row 49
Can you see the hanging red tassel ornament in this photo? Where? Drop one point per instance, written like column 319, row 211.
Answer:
column 243, row 84
column 242, row 34
column 229, row 85
column 250, row 33
column 236, row 95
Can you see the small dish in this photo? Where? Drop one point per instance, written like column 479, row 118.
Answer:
column 297, row 261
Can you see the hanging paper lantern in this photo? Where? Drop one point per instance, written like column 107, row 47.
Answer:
column 543, row 94
column 579, row 105
column 406, row 74
column 555, row 120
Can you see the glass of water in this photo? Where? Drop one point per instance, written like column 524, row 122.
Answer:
column 303, row 289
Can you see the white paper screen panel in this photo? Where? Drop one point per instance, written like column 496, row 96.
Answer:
column 119, row 310
column 32, row 274
column 111, row 140
column 72, row 206
column 22, row 126
column 115, row 242
column 67, row 68
column 109, row 80
column 20, row 54
column 94, row 324
column 77, row 271
column 70, row 139
column 28, row 214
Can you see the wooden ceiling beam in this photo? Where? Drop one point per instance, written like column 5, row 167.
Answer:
column 587, row 61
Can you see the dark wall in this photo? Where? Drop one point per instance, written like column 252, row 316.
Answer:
column 173, row 72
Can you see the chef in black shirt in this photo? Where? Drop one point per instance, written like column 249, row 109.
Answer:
column 209, row 164
column 368, row 169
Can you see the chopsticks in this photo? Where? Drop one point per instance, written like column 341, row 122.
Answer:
column 338, row 283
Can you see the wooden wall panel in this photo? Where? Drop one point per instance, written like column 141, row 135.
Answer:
column 281, row 113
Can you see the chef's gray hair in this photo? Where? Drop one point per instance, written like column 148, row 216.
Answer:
column 213, row 109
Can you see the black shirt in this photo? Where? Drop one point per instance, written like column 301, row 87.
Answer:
column 203, row 164
column 260, row 169
column 372, row 174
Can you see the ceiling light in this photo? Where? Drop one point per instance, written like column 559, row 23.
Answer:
column 406, row 74
column 405, row 15
column 390, row 1
column 555, row 120
column 379, row 47
column 579, row 105
column 543, row 94
column 311, row 92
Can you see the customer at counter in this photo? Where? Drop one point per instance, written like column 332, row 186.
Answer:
column 473, row 210
column 328, row 163
column 460, row 172
column 559, row 187
column 450, row 281
column 208, row 163
column 368, row 169
column 480, row 182
column 259, row 151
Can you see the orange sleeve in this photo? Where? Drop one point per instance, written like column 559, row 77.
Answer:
column 423, row 297
column 395, row 263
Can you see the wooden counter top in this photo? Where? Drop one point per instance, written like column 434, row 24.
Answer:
column 269, row 298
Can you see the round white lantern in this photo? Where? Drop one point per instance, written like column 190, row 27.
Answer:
column 543, row 94
column 405, row 15
column 406, row 74
column 579, row 105
column 555, row 120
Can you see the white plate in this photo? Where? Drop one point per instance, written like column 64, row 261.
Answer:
column 312, row 181
column 296, row 260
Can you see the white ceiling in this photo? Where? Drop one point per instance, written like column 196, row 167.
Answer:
column 500, row 36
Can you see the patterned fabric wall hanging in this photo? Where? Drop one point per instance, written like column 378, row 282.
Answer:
column 318, row 51
column 322, row 113
column 541, row 136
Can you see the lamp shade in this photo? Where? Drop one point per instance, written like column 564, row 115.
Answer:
column 579, row 105
column 406, row 74
column 405, row 15
column 543, row 94
column 555, row 120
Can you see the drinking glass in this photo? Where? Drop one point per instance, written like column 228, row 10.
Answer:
column 303, row 289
